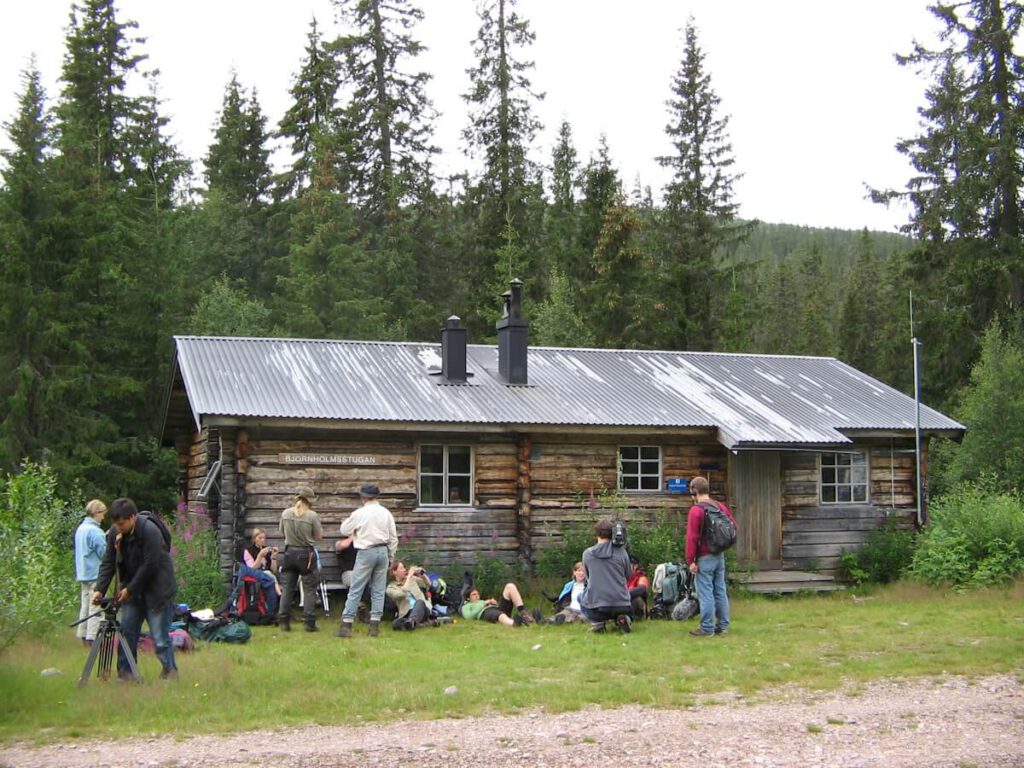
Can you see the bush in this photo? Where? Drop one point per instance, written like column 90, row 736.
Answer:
column 36, row 553
column 196, row 559
column 975, row 538
column 883, row 557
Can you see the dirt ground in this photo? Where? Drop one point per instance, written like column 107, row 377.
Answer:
column 951, row 722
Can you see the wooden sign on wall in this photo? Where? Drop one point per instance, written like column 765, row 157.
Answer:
column 324, row 458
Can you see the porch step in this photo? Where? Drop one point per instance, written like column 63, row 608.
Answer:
column 783, row 582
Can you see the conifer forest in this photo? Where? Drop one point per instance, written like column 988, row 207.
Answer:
column 112, row 241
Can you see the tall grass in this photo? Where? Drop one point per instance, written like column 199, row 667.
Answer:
column 816, row 642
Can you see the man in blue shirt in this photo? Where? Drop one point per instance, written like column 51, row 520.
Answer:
column 90, row 546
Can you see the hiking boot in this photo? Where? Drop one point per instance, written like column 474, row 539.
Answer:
column 558, row 619
column 538, row 616
column 517, row 620
column 311, row 627
column 525, row 618
column 344, row 630
column 169, row 674
column 720, row 631
column 597, row 626
column 624, row 624
column 375, row 628
column 698, row 632
column 285, row 624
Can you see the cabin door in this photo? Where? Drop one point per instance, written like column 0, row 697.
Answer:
column 757, row 505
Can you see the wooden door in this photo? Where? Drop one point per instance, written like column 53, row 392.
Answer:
column 757, row 505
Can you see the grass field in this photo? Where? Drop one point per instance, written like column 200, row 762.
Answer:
column 817, row 642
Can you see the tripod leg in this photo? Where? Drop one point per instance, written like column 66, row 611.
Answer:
column 97, row 646
column 129, row 657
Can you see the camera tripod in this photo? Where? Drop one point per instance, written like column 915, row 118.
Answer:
column 104, row 647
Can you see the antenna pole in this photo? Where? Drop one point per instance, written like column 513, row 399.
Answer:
column 917, row 412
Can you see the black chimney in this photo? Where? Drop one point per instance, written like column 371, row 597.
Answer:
column 453, row 350
column 513, row 337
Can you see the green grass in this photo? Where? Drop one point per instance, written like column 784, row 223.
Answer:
column 818, row 643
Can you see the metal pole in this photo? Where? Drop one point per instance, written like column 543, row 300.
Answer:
column 917, row 412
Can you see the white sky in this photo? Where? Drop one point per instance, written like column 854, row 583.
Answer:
column 815, row 98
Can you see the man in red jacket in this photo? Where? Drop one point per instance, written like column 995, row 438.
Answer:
column 709, row 569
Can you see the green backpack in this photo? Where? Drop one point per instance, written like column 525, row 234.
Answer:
column 223, row 629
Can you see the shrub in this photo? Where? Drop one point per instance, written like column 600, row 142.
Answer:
column 36, row 553
column 883, row 557
column 196, row 559
column 975, row 538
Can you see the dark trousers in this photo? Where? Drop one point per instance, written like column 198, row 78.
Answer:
column 597, row 615
column 291, row 578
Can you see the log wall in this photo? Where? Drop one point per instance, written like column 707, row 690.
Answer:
column 814, row 534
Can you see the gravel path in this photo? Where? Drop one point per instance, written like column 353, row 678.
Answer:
column 951, row 722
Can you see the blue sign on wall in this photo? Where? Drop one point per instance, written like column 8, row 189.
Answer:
column 677, row 485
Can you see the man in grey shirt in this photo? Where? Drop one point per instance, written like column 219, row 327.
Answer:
column 606, row 597
column 373, row 533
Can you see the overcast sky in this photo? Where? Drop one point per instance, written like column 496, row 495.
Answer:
column 815, row 99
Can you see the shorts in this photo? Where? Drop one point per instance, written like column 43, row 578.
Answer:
column 492, row 612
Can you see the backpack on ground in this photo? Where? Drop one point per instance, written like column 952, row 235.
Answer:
column 160, row 524
column 718, row 531
column 668, row 588
column 221, row 629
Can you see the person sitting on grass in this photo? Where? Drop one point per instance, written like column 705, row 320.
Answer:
column 568, row 603
column 638, row 586
column 606, row 597
column 406, row 588
column 497, row 612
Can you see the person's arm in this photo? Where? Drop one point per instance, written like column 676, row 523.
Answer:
column 152, row 549
column 98, row 542
column 392, row 538
column 348, row 527
column 693, row 520
column 318, row 529
column 107, row 566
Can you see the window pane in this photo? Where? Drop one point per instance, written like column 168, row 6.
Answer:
column 843, row 459
column 630, row 467
column 860, row 493
column 828, row 459
column 859, row 459
column 650, row 452
column 828, row 475
column 843, row 475
column 458, row 490
column 630, row 483
column 458, row 459
column 843, row 492
column 650, row 467
column 828, row 493
column 649, row 483
column 431, row 489
column 432, row 458
column 859, row 475
column 629, row 452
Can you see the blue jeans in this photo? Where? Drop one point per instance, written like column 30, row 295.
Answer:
column 711, row 592
column 159, row 619
column 266, row 581
column 371, row 568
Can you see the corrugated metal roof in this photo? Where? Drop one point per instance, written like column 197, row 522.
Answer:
column 750, row 399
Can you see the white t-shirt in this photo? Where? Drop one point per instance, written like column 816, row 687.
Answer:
column 574, row 601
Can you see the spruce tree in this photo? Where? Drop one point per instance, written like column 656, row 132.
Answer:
column 700, row 211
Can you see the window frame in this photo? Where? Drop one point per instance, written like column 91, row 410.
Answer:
column 640, row 474
column 445, row 474
column 835, row 484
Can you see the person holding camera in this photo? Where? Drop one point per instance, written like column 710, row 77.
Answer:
column 301, row 529
column 376, row 541
column 607, row 567
column 259, row 562
column 90, row 546
column 139, row 556
column 406, row 588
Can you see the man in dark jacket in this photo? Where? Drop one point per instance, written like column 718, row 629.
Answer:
column 606, row 597
column 709, row 568
column 137, row 551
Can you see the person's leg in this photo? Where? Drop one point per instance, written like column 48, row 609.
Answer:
column 130, row 617
column 85, row 607
column 361, row 573
column 721, row 597
column 511, row 594
column 291, row 578
column 159, row 620
column 706, row 592
column 505, row 620
column 595, row 617
column 378, row 582
column 310, row 581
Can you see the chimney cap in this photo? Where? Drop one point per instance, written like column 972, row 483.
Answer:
column 453, row 321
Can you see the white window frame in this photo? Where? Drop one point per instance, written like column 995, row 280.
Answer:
column 640, row 474
column 833, row 461
column 445, row 474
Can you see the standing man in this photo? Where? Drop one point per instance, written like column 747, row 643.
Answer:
column 605, row 597
column 90, row 546
column 301, row 529
column 707, row 567
column 138, row 552
column 373, row 533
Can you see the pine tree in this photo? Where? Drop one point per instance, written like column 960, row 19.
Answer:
column 237, row 162
column 561, row 217
column 619, row 286
column 700, row 212
column 861, row 314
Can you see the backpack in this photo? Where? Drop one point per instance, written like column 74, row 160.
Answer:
column 672, row 584
column 222, row 629
column 718, row 531
column 160, row 524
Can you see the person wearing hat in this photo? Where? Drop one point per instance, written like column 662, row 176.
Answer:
column 301, row 529
column 375, row 539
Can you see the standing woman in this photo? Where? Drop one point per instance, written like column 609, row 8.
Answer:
column 90, row 546
column 301, row 529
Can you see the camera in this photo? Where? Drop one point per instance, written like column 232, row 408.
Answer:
column 619, row 533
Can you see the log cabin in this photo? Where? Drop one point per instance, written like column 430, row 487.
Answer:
column 496, row 451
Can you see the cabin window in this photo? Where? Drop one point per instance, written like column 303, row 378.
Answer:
column 639, row 467
column 446, row 475
column 844, row 478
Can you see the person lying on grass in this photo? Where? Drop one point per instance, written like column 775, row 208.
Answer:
column 497, row 612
